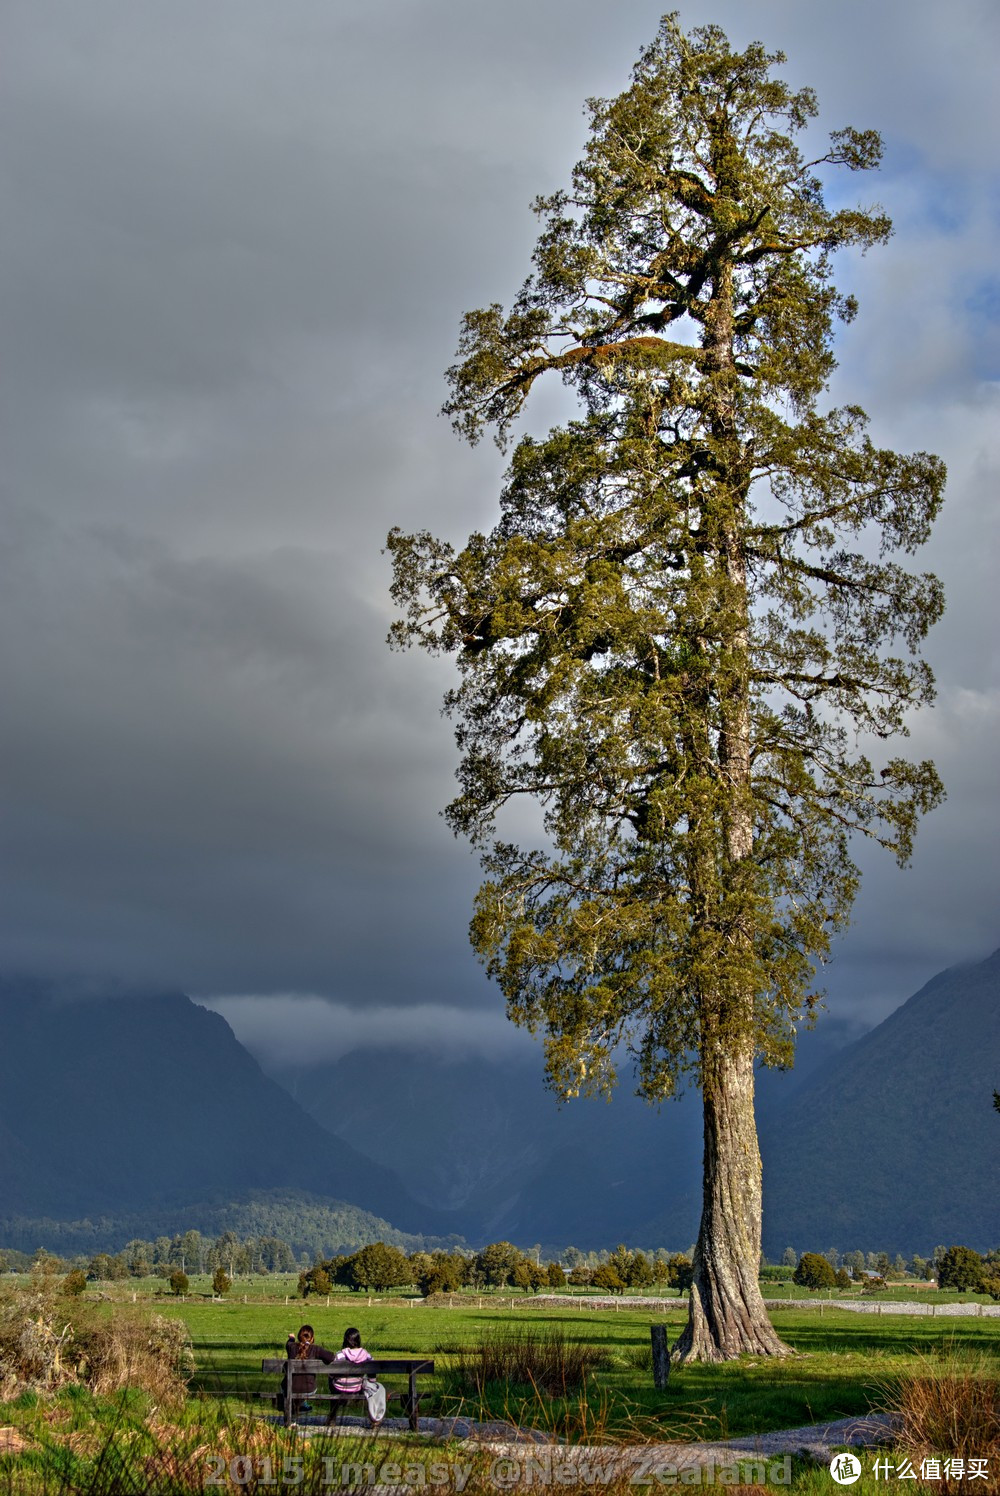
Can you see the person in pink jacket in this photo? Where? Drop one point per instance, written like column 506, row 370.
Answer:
column 373, row 1392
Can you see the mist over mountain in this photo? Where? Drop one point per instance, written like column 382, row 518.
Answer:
column 145, row 1111
column 489, row 1144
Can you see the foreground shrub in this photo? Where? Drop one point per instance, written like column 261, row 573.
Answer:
column 132, row 1351
column 36, row 1352
column 511, row 1355
column 47, row 1344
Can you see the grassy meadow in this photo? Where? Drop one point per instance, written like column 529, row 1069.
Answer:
column 846, row 1364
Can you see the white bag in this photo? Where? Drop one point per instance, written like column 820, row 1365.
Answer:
column 374, row 1398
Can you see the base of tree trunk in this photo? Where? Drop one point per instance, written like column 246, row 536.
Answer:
column 722, row 1326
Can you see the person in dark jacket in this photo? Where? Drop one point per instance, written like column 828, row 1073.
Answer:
column 302, row 1347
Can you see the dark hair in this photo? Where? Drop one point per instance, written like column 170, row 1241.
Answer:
column 352, row 1338
column 302, row 1348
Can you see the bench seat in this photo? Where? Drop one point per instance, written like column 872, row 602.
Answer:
column 409, row 1366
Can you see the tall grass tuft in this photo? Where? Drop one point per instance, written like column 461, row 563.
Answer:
column 135, row 1351
column 510, row 1355
column 950, row 1408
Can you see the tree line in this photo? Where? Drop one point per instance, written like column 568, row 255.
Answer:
column 382, row 1265
column 186, row 1252
column 499, row 1265
column 955, row 1267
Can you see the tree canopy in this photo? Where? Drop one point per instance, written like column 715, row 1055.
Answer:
column 690, row 630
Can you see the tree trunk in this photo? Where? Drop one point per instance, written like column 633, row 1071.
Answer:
column 727, row 1315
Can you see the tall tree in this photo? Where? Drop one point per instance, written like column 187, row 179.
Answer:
column 686, row 617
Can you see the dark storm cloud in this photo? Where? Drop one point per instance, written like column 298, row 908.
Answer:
column 239, row 241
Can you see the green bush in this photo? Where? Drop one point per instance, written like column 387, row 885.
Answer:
column 961, row 1268
column 814, row 1272
column 606, row 1278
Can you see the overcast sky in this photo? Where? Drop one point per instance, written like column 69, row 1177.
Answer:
column 239, row 237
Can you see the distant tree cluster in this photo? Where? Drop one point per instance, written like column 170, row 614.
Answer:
column 857, row 1264
column 371, row 1269
column 190, row 1252
column 964, row 1269
column 956, row 1267
column 498, row 1265
column 380, row 1266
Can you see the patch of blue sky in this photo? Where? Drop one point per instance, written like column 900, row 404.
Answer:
column 982, row 310
column 983, row 301
column 911, row 191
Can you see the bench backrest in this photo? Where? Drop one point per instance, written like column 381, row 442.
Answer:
column 350, row 1368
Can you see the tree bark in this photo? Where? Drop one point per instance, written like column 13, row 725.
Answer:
column 727, row 1315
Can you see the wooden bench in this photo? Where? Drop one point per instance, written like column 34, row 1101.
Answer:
column 393, row 1366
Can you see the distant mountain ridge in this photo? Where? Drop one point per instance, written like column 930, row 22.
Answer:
column 311, row 1225
column 118, row 1105
column 888, row 1143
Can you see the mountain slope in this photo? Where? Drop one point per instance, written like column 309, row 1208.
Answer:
column 121, row 1104
column 894, row 1145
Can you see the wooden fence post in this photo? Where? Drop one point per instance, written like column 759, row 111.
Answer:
column 661, row 1356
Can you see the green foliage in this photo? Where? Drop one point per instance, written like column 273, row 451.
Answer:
column 179, row 1283
column 668, row 632
column 641, row 1273
column 494, row 1265
column 690, row 610
column 377, row 1266
column 680, row 1272
column 556, row 1275
column 814, row 1271
column 74, row 1283
column 221, row 1282
column 530, row 1276
column 962, row 1268
column 607, row 1279
column 442, row 1272
column 316, row 1280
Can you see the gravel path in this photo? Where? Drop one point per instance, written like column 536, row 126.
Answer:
column 512, row 1446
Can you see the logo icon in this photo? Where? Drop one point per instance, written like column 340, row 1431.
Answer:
column 845, row 1469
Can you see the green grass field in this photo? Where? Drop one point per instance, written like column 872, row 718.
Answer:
column 845, row 1362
